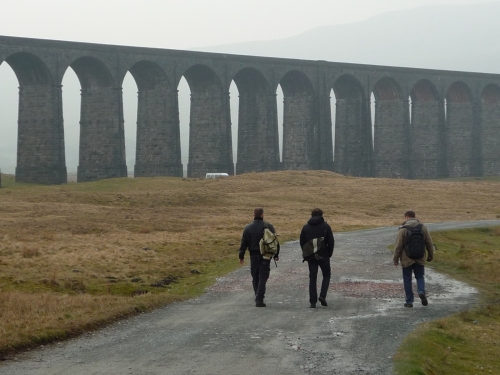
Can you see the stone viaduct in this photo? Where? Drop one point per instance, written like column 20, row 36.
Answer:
column 427, row 123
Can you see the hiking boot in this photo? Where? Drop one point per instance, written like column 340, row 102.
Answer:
column 313, row 306
column 260, row 304
column 423, row 298
column 408, row 304
column 322, row 300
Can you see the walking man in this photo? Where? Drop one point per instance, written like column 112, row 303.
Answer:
column 316, row 228
column 413, row 239
column 259, row 266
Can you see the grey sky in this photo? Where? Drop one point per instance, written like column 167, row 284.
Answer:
column 176, row 24
column 181, row 24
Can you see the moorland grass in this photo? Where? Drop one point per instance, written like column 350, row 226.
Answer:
column 469, row 342
column 79, row 255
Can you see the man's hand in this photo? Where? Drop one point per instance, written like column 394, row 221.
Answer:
column 396, row 263
column 276, row 258
column 242, row 261
column 429, row 259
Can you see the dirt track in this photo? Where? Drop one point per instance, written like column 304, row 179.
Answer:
column 223, row 333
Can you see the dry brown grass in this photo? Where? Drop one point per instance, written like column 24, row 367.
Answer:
column 100, row 246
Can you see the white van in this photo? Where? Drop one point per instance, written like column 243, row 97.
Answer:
column 216, row 175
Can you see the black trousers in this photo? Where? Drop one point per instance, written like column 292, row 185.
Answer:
column 260, row 269
column 326, row 270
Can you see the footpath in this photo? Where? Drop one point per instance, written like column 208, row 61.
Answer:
column 223, row 333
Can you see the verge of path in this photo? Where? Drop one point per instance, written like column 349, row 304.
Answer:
column 223, row 333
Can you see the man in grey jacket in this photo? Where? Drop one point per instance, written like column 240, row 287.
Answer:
column 415, row 266
column 259, row 266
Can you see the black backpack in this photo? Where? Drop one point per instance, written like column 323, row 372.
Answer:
column 316, row 247
column 414, row 241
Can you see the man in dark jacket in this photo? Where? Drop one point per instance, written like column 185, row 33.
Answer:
column 317, row 227
column 259, row 266
column 415, row 266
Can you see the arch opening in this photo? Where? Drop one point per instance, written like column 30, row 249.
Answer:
column 9, row 104
column 71, row 99
column 333, row 112
column 184, row 112
column 130, row 91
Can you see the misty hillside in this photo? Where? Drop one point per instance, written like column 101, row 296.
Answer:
column 451, row 37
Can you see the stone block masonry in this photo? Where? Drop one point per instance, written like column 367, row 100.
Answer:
column 427, row 123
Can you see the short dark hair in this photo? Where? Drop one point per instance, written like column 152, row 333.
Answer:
column 258, row 212
column 410, row 214
column 317, row 212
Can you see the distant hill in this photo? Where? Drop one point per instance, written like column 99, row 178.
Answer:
column 451, row 37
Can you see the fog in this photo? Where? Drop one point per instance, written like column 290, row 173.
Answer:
column 453, row 37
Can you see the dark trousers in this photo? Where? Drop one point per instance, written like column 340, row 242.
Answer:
column 326, row 270
column 260, row 269
column 419, row 271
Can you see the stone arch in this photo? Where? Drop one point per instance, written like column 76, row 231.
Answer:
column 102, row 137
column 300, row 122
column 390, row 127
column 202, row 79
column 29, row 69
column 460, row 132
column 387, row 89
column 353, row 146
column 210, row 145
column 459, row 93
column 424, row 91
column 426, row 132
column 258, row 148
column 296, row 82
column 158, row 149
column 40, row 151
column 92, row 73
column 490, row 130
column 148, row 75
column 490, row 95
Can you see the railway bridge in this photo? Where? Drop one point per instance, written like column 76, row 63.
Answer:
column 426, row 123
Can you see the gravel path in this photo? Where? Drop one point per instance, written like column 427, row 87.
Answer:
column 222, row 333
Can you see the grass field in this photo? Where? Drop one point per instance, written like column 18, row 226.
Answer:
column 76, row 256
column 469, row 342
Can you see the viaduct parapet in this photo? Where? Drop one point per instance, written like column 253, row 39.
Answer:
column 427, row 123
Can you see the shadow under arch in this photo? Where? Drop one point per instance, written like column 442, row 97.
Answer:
column 300, row 123
column 102, row 138
column 158, row 148
column 258, row 142
column 427, row 144
column 353, row 146
column 40, row 144
column 390, row 130
column 461, row 132
column 490, row 130
column 210, row 144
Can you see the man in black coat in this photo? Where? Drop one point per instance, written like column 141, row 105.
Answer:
column 259, row 266
column 317, row 227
